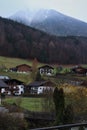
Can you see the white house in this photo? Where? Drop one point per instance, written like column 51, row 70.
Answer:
column 20, row 90
column 46, row 70
column 44, row 89
column 16, row 87
column 41, row 87
column 4, row 77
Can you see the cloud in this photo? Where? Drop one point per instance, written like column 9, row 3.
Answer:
column 74, row 8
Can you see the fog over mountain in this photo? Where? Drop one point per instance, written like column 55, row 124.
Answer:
column 51, row 22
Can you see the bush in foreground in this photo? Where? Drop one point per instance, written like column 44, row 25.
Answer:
column 10, row 122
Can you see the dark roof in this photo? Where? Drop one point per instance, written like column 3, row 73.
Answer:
column 39, row 83
column 13, row 69
column 46, row 66
column 79, row 69
column 3, row 84
column 13, row 81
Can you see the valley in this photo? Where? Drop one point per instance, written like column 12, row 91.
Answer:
column 37, row 59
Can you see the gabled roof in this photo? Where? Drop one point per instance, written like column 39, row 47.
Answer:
column 3, row 84
column 40, row 83
column 79, row 69
column 13, row 81
column 37, row 83
column 46, row 66
column 23, row 65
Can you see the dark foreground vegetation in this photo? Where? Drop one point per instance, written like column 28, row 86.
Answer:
column 12, row 122
column 54, row 109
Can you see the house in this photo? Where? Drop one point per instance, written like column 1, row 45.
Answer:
column 46, row 70
column 40, row 87
column 4, row 77
column 15, row 87
column 23, row 68
column 3, row 86
column 75, row 82
column 79, row 70
column 14, row 69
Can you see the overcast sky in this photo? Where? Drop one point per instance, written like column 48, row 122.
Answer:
column 73, row 8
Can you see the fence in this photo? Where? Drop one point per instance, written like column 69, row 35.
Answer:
column 60, row 127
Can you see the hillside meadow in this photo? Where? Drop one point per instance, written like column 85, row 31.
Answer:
column 7, row 62
column 12, row 62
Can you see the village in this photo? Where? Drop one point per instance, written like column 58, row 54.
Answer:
column 27, row 90
column 15, row 87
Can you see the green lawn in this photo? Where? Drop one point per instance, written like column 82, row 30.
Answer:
column 32, row 104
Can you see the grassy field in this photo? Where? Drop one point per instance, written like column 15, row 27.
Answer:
column 76, row 96
column 32, row 104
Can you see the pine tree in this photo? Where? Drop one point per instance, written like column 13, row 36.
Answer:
column 58, row 97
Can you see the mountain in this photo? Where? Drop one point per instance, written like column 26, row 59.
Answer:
column 18, row 40
column 52, row 22
column 24, row 17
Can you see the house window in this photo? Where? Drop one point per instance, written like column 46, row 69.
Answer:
column 14, row 87
column 41, row 71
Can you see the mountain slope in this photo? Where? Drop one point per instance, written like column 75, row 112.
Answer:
column 52, row 22
column 18, row 40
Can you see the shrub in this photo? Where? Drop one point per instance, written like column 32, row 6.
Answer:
column 9, row 122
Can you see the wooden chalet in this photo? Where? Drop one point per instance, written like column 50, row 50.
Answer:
column 23, row 68
column 79, row 70
column 46, row 70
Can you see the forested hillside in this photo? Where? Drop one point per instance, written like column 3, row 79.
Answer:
column 18, row 40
